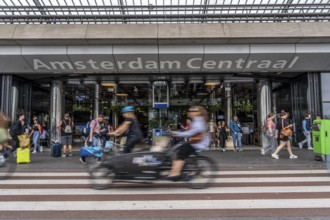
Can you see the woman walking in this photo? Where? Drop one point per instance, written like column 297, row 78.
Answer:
column 270, row 134
column 282, row 125
column 222, row 133
column 36, row 132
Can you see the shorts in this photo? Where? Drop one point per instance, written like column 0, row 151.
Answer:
column 66, row 140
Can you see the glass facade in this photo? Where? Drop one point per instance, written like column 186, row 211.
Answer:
column 325, row 90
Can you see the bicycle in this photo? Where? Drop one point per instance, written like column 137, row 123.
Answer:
column 7, row 163
column 147, row 166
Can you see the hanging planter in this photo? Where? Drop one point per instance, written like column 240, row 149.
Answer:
column 215, row 107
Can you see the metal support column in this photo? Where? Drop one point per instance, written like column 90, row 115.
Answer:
column 6, row 94
column 96, row 100
column 14, row 103
column 264, row 106
column 314, row 96
column 229, row 103
column 56, row 108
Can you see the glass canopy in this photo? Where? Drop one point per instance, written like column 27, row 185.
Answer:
column 161, row 11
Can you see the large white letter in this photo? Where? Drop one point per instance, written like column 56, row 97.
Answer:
column 280, row 64
column 250, row 62
column 107, row 65
column 228, row 62
column 210, row 64
column 92, row 63
column 61, row 65
column 39, row 64
column 189, row 63
column 239, row 63
column 293, row 62
column 264, row 64
column 80, row 65
column 170, row 64
column 151, row 65
column 136, row 65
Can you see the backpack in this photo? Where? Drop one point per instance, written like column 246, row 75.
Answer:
column 67, row 128
column 264, row 127
column 41, row 129
column 87, row 129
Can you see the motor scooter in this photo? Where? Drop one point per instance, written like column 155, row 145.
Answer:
column 148, row 166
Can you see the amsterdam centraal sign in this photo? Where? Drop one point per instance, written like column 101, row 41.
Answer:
column 174, row 65
column 165, row 58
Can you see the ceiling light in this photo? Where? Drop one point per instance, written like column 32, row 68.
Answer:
column 109, row 84
column 121, row 94
column 212, row 83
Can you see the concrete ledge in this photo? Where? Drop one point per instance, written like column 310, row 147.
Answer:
column 104, row 34
column 50, row 31
column 121, row 34
column 6, row 34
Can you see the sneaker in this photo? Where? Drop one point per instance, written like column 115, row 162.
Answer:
column 240, row 150
column 40, row 148
column 293, row 157
column 63, row 155
column 262, row 152
column 81, row 160
column 223, row 149
column 70, row 155
column 275, row 156
column 34, row 152
column 310, row 148
column 234, row 149
column 300, row 145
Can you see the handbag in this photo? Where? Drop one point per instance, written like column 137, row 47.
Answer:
column 196, row 138
column 24, row 140
column 3, row 135
column 286, row 131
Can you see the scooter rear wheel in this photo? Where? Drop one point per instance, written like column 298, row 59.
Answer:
column 198, row 172
column 102, row 177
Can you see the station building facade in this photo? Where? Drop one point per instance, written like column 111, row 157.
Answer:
column 248, row 69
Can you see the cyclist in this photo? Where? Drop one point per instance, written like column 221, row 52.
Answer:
column 198, row 139
column 131, row 126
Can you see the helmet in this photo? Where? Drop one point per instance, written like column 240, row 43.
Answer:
column 127, row 109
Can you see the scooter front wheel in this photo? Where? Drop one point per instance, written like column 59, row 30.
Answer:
column 198, row 172
column 102, row 177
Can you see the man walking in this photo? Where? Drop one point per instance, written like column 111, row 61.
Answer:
column 94, row 138
column 236, row 133
column 306, row 128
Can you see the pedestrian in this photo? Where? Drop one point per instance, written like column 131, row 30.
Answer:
column 306, row 127
column 222, row 134
column 212, row 126
column 104, row 132
column 236, row 133
column 198, row 140
column 66, row 129
column 4, row 132
column 36, row 132
column 94, row 136
column 281, row 126
column 131, row 127
column 270, row 135
column 17, row 128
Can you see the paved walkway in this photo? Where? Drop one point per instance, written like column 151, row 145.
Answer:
column 229, row 160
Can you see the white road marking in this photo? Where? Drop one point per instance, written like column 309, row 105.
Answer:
column 166, row 205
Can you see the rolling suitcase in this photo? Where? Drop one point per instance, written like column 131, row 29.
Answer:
column 23, row 155
column 56, row 150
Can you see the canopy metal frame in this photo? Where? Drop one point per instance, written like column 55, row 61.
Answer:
column 161, row 11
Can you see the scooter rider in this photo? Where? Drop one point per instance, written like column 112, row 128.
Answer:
column 131, row 125
column 198, row 139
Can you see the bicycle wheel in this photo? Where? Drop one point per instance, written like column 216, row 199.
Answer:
column 7, row 164
column 198, row 172
column 102, row 176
